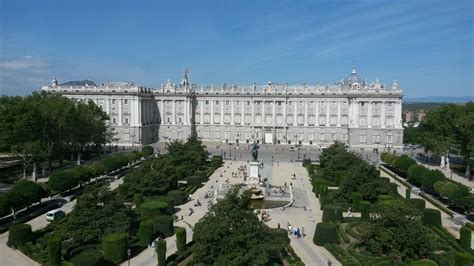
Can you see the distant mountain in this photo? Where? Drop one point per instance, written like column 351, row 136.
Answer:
column 79, row 83
column 439, row 99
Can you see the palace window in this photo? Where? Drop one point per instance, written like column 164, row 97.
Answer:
column 227, row 102
column 217, row 102
column 125, row 101
column 114, row 120
column 248, row 102
column 113, row 101
column 321, row 136
column 333, row 104
column 323, row 104
column 207, row 102
column 237, row 103
column 126, row 120
column 362, row 138
column 344, row 103
column 389, row 138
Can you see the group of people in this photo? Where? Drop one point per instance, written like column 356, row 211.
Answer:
column 295, row 230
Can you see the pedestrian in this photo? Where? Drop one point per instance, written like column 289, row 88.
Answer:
column 302, row 231
column 278, row 225
column 289, row 229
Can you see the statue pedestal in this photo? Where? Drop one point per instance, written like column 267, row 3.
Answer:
column 254, row 167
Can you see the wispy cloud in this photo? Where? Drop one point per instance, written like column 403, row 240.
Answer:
column 22, row 63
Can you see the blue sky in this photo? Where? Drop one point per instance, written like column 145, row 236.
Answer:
column 426, row 45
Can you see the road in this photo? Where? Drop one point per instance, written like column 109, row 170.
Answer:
column 11, row 257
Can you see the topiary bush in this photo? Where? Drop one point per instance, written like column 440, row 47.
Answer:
column 147, row 150
column 332, row 213
column 178, row 196
column 138, row 200
column 115, row 247
column 90, row 257
column 420, row 204
column 415, row 173
column 325, row 233
column 356, row 200
column 365, row 210
column 384, row 198
column 19, row 234
column 180, row 239
column 194, row 180
column 54, row 250
column 145, row 232
column 324, row 200
column 432, row 217
column 280, row 235
column 161, row 252
column 151, row 209
column 403, row 163
column 430, row 178
column 423, row 263
column 163, row 224
column 465, row 238
column 463, row 259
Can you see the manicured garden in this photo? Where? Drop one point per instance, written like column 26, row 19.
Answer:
column 105, row 224
column 392, row 230
column 433, row 182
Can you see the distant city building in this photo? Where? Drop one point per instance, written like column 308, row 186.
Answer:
column 408, row 117
column 352, row 111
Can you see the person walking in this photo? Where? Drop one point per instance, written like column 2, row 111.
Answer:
column 289, row 229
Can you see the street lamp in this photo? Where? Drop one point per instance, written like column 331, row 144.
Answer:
column 129, row 252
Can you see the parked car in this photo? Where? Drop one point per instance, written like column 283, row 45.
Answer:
column 54, row 215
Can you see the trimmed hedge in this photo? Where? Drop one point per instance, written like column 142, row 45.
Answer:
column 178, row 196
column 115, row 247
column 365, row 210
column 463, row 259
column 415, row 173
column 384, row 198
column 280, row 235
column 161, row 252
column 420, row 204
column 195, row 180
column 356, row 200
column 54, row 250
column 432, row 217
column 147, row 150
column 145, row 232
column 152, row 209
column 465, row 238
column 332, row 213
column 180, row 239
column 326, row 233
column 163, row 224
column 423, row 263
column 90, row 257
column 138, row 199
column 19, row 234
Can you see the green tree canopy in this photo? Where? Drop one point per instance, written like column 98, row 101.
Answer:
column 231, row 234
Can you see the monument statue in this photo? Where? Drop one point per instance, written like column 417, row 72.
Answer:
column 254, row 149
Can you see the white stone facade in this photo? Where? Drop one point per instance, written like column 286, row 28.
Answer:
column 362, row 115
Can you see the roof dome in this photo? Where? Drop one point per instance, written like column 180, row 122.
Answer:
column 354, row 78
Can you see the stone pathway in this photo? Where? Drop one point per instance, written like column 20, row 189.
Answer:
column 447, row 220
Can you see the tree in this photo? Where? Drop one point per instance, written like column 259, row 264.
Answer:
column 181, row 239
column 395, row 231
column 231, row 234
column 24, row 193
column 147, row 150
column 97, row 213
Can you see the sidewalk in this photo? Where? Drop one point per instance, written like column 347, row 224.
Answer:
column 304, row 247
column 448, row 173
column 447, row 220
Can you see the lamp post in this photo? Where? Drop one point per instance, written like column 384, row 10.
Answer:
column 129, row 252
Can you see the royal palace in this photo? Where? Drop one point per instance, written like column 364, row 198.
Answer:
column 361, row 114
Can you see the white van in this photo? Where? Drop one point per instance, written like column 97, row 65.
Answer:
column 54, row 215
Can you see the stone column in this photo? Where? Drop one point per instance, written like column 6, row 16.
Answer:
column 222, row 111
column 162, row 110
column 369, row 114
column 242, row 114
column 274, row 113
column 382, row 115
column 285, row 106
column 295, row 117
column 212, row 111
column 316, row 105
column 232, row 112
column 253, row 105
column 173, row 118
column 328, row 106
column 306, row 113
column 339, row 113
column 120, row 112
column 263, row 113
column 201, row 116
